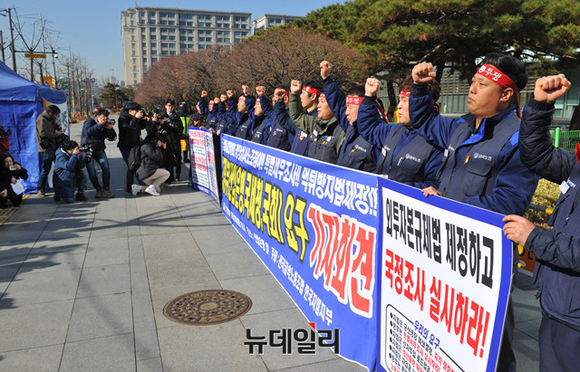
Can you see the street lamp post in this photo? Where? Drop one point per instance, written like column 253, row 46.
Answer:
column 114, row 78
column 117, row 89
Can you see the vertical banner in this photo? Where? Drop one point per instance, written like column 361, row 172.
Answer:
column 202, row 158
column 313, row 225
column 445, row 283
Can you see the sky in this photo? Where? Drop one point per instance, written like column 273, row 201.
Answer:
column 93, row 29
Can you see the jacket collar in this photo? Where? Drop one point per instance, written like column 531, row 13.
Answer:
column 487, row 124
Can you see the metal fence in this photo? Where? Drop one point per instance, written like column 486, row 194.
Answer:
column 566, row 139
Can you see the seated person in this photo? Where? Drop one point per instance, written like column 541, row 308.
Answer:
column 150, row 172
column 10, row 173
column 4, row 143
column 69, row 173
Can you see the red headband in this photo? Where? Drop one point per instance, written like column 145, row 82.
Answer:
column 501, row 80
column 311, row 90
column 242, row 98
column 354, row 100
column 322, row 95
column 406, row 94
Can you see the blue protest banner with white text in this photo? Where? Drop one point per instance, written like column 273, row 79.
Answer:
column 313, row 225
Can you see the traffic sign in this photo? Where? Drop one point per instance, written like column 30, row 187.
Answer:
column 33, row 55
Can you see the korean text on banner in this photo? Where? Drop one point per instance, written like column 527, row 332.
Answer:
column 313, row 225
column 446, row 275
column 203, row 165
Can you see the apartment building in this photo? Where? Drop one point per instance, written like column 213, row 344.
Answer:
column 152, row 33
column 269, row 20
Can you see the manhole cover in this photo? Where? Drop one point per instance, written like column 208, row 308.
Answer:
column 207, row 307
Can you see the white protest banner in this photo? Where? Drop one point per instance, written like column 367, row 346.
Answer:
column 446, row 275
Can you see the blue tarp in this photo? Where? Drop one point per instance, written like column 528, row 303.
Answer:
column 21, row 101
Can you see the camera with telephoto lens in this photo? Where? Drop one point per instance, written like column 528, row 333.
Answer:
column 44, row 144
column 88, row 150
column 109, row 122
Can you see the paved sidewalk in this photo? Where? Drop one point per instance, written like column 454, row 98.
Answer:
column 83, row 287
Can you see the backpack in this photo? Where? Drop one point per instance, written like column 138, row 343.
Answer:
column 134, row 159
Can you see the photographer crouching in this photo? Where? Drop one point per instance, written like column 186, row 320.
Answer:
column 69, row 174
column 96, row 129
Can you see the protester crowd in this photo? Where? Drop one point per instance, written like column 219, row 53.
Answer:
column 492, row 157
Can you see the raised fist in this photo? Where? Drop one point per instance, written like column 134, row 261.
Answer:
column 423, row 73
column 295, row 86
column 260, row 90
column 550, row 88
column 245, row 90
column 204, row 93
column 372, row 86
column 279, row 95
column 325, row 68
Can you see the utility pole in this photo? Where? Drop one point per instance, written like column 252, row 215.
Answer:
column 55, row 79
column 2, row 46
column 12, row 46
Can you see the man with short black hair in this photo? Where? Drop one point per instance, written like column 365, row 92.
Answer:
column 355, row 152
column 481, row 164
column 130, row 125
column 172, row 124
column 47, row 131
column 405, row 156
column 325, row 135
column 96, row 129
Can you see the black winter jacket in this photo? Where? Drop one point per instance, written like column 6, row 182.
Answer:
column 151, row 159
column 129, row 130
column 557, row 270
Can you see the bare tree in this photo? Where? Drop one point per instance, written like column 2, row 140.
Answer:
column 276, row 58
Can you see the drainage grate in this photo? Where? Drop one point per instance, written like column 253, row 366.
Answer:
column 207, row 307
